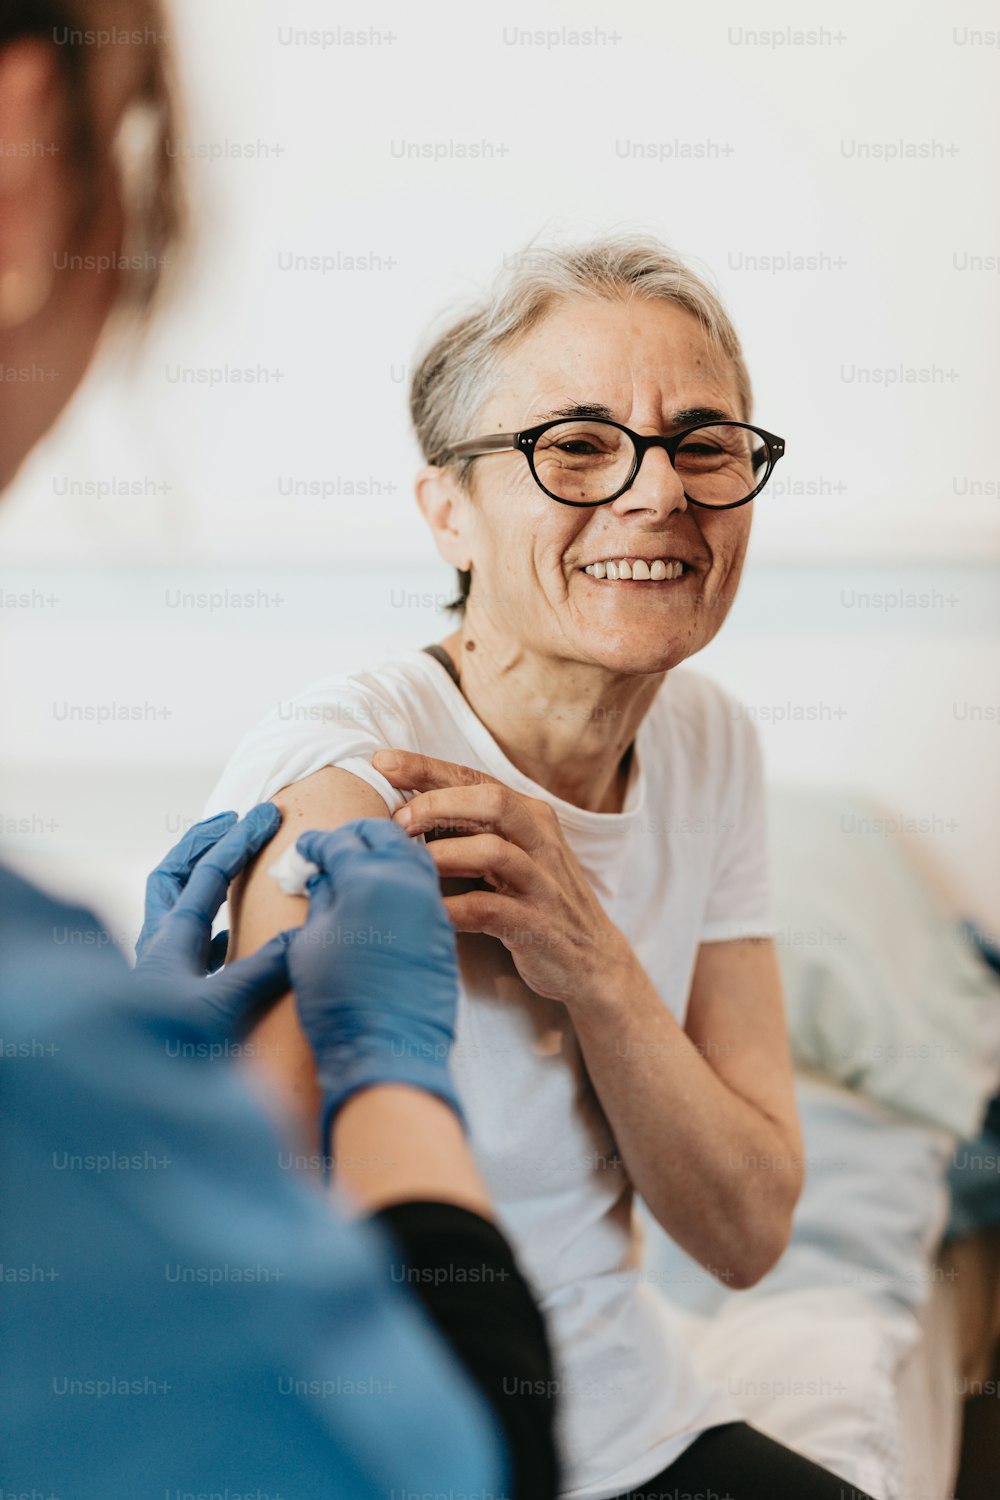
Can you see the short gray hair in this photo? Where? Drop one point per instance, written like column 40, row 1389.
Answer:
column 457, row 372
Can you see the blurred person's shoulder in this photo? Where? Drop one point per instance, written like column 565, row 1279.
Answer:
column 59, row 969
column 41, row 930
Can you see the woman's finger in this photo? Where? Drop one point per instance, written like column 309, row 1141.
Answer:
column 419, row 773
column 487, row 912
column 486, row 856
column 489, row 808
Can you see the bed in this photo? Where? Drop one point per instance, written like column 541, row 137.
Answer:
column 861, row 1347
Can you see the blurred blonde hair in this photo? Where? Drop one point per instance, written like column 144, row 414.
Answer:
column 79, row 31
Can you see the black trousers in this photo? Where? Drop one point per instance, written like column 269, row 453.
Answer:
column 736, row 1462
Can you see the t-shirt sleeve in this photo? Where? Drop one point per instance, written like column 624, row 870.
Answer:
column 739, row 900
column 340, row 722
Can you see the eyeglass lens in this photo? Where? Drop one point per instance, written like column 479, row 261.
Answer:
column 589, row 461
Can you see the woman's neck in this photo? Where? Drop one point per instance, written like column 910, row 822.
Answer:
column 565, row 725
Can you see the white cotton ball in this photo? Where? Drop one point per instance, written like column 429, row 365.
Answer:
column 290, row 872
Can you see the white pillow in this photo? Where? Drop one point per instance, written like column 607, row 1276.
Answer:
column 883, row 990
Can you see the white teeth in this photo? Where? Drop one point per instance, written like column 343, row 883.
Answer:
column 657, row 571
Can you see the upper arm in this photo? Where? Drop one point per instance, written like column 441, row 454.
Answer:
column 736, row 1019
column 259, row 910
column 258, row 907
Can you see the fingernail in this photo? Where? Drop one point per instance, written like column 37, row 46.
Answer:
column 403, row 817
column 387, row 760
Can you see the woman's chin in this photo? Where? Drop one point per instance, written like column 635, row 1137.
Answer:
column 642, row 628
column 637, row 657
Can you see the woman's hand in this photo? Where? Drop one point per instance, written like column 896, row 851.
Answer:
column 541, row 905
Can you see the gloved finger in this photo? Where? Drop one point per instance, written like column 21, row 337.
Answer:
column 217, row 950
column 380, row 836
column 250, row 986
column 329, row 849
column 322, row 895
column 341, row 851
column 172, row 873
column 210, row 880
column 333, row 852
column 326, row 846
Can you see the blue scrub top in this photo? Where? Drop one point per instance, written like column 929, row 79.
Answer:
column 182, row 1313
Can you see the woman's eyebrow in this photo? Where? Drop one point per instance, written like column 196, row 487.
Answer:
column 685, row 416
column 593, row 412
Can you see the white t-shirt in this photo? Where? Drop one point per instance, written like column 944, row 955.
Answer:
column 683, row 863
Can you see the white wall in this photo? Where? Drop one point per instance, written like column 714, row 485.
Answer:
column 865, row 642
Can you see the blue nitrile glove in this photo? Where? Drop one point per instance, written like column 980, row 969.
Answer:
column 183, row 895
column 374, row 969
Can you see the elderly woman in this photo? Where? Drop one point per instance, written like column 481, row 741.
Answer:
column 116, row 1074
column 595, row 812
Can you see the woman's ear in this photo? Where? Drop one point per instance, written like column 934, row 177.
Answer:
column 444, row 506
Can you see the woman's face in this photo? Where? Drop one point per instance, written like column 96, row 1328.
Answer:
column 649, row 364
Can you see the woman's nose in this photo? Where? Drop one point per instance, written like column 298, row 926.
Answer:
column 656, row 487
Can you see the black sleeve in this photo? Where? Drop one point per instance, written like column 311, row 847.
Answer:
column 464, row 1271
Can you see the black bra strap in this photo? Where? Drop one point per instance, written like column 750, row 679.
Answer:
column 441, row 655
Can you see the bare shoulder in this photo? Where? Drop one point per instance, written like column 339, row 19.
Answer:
column 326, row 799
column 332, row 795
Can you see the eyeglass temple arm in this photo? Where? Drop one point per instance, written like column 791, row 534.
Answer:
column 497, row 442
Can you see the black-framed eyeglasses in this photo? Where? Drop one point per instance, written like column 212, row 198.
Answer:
column 591, row 462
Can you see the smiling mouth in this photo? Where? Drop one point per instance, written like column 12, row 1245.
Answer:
column 638, row 570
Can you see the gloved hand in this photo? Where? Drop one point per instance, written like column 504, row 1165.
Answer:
column 374, row 968
column 183, row 895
